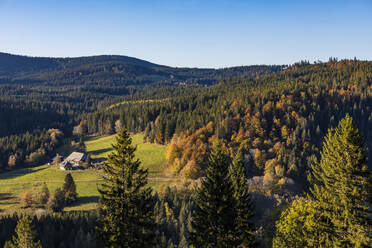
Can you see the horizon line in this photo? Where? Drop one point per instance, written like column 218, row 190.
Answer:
column 191, row 67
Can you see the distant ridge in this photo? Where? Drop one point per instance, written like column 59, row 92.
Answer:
column 113, row 69
column 10, row 63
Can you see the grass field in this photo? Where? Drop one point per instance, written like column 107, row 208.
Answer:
column 152, row 156
column 14, row 183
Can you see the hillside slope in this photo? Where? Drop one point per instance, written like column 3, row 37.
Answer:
column 14, row 183
column 278, row 121
column 111, row 69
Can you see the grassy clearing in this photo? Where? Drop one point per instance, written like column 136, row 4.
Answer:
column 152, row 156
column 14, row 183
column 137, row 101
column 45, row 173
column 99, row 147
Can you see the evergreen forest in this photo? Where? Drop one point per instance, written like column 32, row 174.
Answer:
column 264, row 155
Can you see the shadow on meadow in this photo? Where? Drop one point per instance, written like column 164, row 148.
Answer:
column 19, row 173
column 100, row 151
column 6, row 196
column 84, row 200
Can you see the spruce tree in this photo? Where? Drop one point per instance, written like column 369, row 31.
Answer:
column 44, row 194
column 126, row 217
column 213, row 219
column 25, row 235
column 341, row 187
column 244, row 204
column 81, row 145
column 297, row 227
column 69, row 189
column 336, row 213
column 56, row 202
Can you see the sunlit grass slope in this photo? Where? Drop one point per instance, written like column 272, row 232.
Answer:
column 14, row 183
column 152, row 156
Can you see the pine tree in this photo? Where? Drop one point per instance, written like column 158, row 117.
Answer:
column 341, row 187
column 25, row 235
column 244, row 204
column 81, row 145
column 69, row 189
column 88, row 161
column 297, row 227
column 147, row 133
column 56, row 202
column 336, row 213
column 214, row 216
column 126, row 217
column 44, row 194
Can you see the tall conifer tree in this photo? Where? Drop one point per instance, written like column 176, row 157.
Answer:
column 56, row 202
column 25, row 235
column 341, row 187
column 298, row 226
column 336, row 213
column 126, row 217
column 244, row 204
column 214, row 216
column 44, row 194
column 69, row 189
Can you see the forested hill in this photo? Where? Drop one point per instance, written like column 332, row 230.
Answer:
column 37, row 94
column 278, row 120
column 109, row 70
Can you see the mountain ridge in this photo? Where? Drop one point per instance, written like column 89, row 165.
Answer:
column 114, row 69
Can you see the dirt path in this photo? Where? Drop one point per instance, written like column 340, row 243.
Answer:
column 157, row 179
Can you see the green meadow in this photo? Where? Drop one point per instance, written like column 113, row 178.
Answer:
column 152, row 156
column 14, row 183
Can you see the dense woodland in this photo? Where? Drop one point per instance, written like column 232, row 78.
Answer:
column 218, row 213
column 276, row 122
column 78, row 229
column 38, row 94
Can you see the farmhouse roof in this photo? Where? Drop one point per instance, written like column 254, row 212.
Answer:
column 76, row 157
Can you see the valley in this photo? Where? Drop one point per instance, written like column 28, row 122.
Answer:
column 186, row 124
column 267, row 130
column 14, row 183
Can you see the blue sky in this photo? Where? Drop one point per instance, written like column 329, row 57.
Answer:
column 203, row 33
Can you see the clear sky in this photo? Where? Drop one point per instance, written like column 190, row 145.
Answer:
column 203, row 33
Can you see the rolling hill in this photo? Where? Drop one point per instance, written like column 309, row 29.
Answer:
column 112, row 69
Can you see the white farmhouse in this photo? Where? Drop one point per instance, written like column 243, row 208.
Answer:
column 73, row 161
